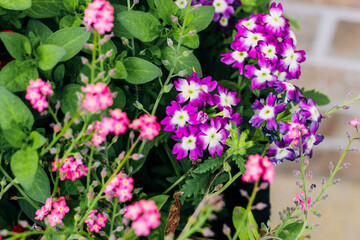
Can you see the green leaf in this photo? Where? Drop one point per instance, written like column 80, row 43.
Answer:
column 292, row 22
column 189, row 41
column 72, row 187
column 202, row 17
column 15, row 76
column 120, row 72
column 141, row 25
column 13, row 111
column 45, row 8
column 69, row 101
column 166, row 8
column 183, row 63
column 72, row 39
column 292, row 230
column 159, row 200
column 49, row 55
column 59, row 74
column 242, row 219
column 120, row 100
column 119, row 30
column 71, row 5
column 29, row 210
column 40, row 187
column 319, row 98
column 140, row 71
column 24, row 164
column 195, row 185
column 16, row 44
column 15, row 4
column 14, row 136
column 37, row 139
column 209, row 164
column 39, row 29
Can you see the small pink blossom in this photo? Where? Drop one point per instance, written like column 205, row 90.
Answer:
column 98, row 97
column 256, row 166
column 95, row 223
column 69, row 168
column 148, row 125
column 300, row 197
column 58, row 209
column 36, row 93
column 99, row 14
column 355, row 122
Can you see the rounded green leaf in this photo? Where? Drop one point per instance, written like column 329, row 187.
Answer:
column 141, row 25
column 15, row 4
column 120, row 99
column 184, row 62
column 120, row 72
column 15, row 76
column 49, row 55
column 37, row 139
column 166, row 8
column 13, row 111
column 39, row 29
column 14, row 136
column 16, row 44
column 29, row 210
column 45, row 8
column 69, row 101
column 72, row 39
column 24, row 164
column 202, row 17
column 40, row 187
column 140, row 71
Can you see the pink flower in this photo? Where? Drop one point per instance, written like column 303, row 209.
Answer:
column 48, row 204
column 95, row 223
column 148, row 125
column 141, row 227
column 41, row 213
column 300, row 197
column 69, row 169
column 355, row 122
column 100, row 15
column 101, row 220
column 60, row 208
column 95, row 228
column 133, row 211
column 54, row 218
column 36, row 93
column 256, row 166
column 98, row 97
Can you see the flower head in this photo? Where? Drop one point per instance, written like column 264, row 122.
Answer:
column 99, row 14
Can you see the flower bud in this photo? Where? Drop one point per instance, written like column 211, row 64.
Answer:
column 138, row 105
column 190, row 33
column 101, row 75
column 323, row 180
column 263, row 186
column 207, row 232
column 331, row 166
column 136, row 1
column 197, row 6
column 336, row 181
column 169, row 42
column 346, row 165
column 174, row 19
column 182, row 73
column 124, row 41
column 88, row 46
column 84, row 78
column 167, row 88
column 90, row 195
column 112, row 72
column 137, row 156
column 309, row 175
column 165, row 62
column 227, row 167
column 3, row 182
column 306, row 162
column 226, row 229
column 109, row 53
column 325, row 196
column 346, row 107
column 84, row 60
column 296, row 173
column 121, row 155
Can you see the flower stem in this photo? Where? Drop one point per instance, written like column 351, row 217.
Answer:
column 178, row 181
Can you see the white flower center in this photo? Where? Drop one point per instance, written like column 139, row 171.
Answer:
column 188, row 143
column 181, row 3
column 220, row 6
column 263, row 75
column 224, row 21
column 191, row 91
column 253, row 38
column 281, row 153
column 212, row 137
column 226, row 100
column 269, row 51
column 180, row 118
column 239, row 56
column 314, row 113
column 267, row 112
column 250, row 24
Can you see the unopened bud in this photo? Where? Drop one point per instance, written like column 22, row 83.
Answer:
column 306, row 162
column 90, row 195
column 244, row 193
column 169, row 42
column 136, row 1
column 336, row 181
column 263, row 186
column 84, row 78
column 323, row 180
column 174, row 19
column 187, row 53
column 260, row 206
column 182, row 73
column 124, row 41
column 207, row 232
column 95, row 183
column 121, row 155
column 103, row 172
column 137, row 156
column 296, row 173
column 3, row 182
column 138, row 105
column 299, row 184
column 190, row 33
column 325, row 196
column 132, row 135
column 197, row 6
column 227, row 167
column 309, row 175
column 346, row 165
column 167, row 88
column 142, row 52
column 165, row 62
column 346, row 107
column 53, row 150
column 226, row 229
column 109, row 53
column 101, row 75
column 112, row 72
column 88, row 46
column 331, row 166
column 84, row 60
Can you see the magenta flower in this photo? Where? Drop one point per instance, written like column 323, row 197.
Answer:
column 279, row 152
column 300, row 197
column 309, row 110
column 262, row 78
column 267, row 112
column 226, row 98
column 275, row 22
column 189, row 145
column 36, row 93
column 99, row 14
column 291, row 59
column 256, row 166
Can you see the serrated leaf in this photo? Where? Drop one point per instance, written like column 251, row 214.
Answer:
column 140, row 71
column 24, row 164
column 209, row 164
column 319, row 98
column 195, row 185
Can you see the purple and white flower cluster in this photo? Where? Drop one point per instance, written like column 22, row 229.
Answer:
column 200, row 118
column 267, row 40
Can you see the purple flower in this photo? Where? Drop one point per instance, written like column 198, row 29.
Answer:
column 267, row 113
column 189, row 145
column 313, row 139
column 252, row 24
column 294, row 130
column 275, row 23
column 237, row 57
column 213, row 136
column 179, row 116
column 226, row 98
column 268, row 50
column 189, row 90
column 222, row 7
column 260, row 78
column 309, row 110
column 293, row 93
column 291, row 58
column 279, row 152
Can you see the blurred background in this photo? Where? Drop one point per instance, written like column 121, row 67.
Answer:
column 330, row 35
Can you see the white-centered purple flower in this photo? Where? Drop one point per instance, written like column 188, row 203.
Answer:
column 279, row 152
column 237, row 57
column 294, row 130
column 222, row 8
column 263, row 77
column 309, row 110
column 213, row 137
column 291, row 59
column 293, row 93
column 225, row 98
column 275, row 22
column 189, row 144
column 179, row 116
column 189, row 90
column 252, row 24
column 268, row 50
column 313, row 139
column 267, row 112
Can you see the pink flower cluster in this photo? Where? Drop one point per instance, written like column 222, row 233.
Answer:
column 116, row 124
column 95, row 222
column 256, row 166
column 36, row 93
column 69, row 168
column 148, row 125
column 58, row 209
column 355, row 122
column 301, row 197
column 98, row 96
column 144, row 215
column 120, row 186
column 99, row 14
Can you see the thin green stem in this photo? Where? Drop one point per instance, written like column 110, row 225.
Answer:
column 178, row 181
column 113, row 215
column 345, row 103
column 93, row 62
column 7, row 188
column 53, row 114
column 252, row 197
